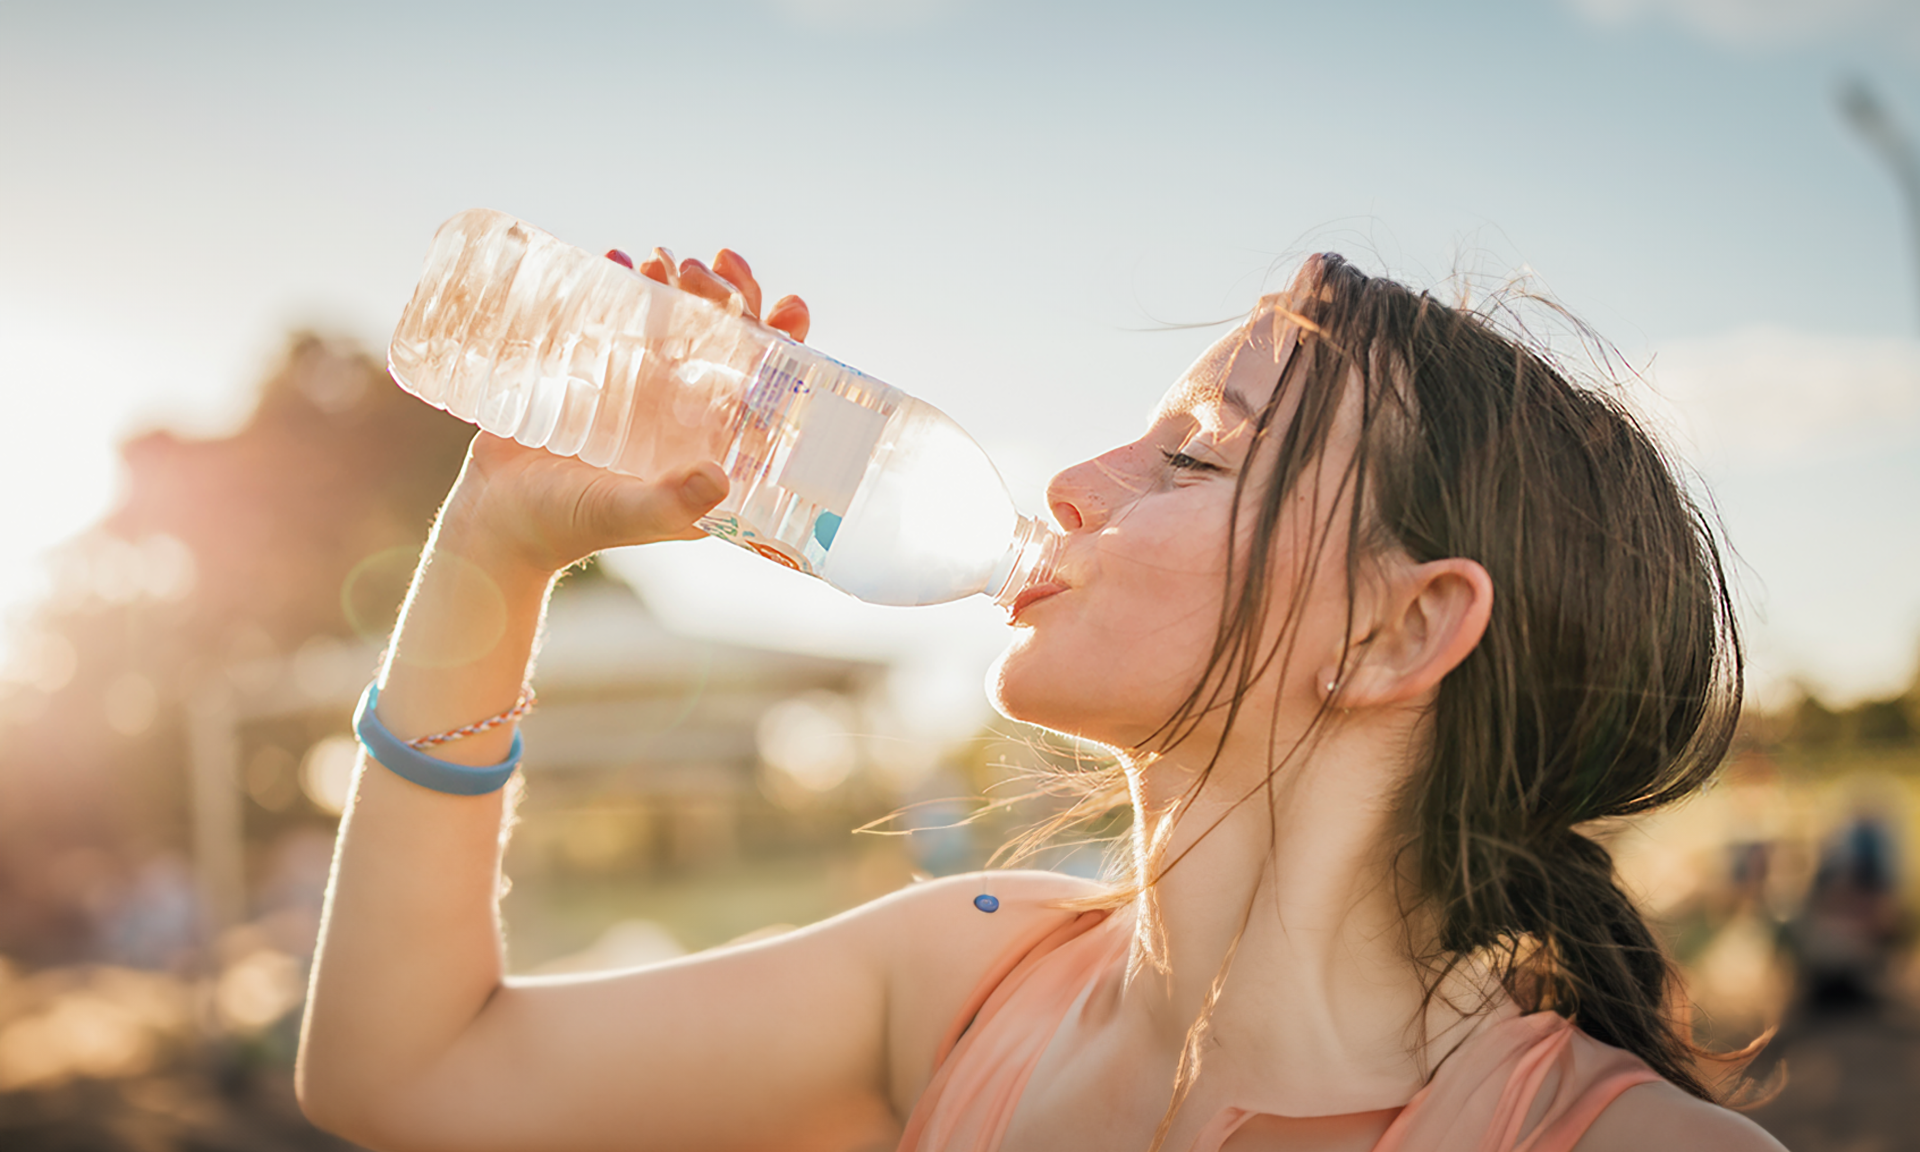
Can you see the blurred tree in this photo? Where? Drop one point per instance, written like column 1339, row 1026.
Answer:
column 302, row 524
column 1885, row 722
column 1813, row 724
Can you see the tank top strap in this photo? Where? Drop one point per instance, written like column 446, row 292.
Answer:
column 1000, row 1032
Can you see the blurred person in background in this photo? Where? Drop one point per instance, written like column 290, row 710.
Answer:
column 1378, row 611
column 1849, row 930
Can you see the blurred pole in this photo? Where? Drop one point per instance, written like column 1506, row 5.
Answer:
column 213, row 754
column 1861, row 105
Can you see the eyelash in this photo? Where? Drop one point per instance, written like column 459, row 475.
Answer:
column 1185, row 463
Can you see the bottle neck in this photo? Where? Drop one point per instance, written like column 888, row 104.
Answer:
column 1028, row 563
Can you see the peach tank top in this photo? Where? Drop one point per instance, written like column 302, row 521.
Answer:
column 1480, row 1100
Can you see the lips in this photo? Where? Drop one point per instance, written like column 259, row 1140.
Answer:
column 1031, row 596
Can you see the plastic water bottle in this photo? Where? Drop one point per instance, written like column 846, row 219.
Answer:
column 834, row 473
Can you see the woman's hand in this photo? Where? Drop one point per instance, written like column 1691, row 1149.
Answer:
column 528, row 507
column 728, row 275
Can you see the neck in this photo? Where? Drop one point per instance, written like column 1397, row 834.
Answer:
column 1322, row 1011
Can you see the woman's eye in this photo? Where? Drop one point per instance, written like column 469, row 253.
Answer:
column 1181, row 462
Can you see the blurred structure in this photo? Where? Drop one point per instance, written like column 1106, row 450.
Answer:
column 1863, row 108
column 161, row 866
column 224, row 556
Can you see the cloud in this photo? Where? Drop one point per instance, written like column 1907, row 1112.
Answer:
column 1767, row 23
column 1768, row 396
column 1808, row 446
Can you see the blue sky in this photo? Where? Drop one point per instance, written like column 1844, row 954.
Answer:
column 995, row 205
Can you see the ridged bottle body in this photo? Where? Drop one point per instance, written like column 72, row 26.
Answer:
column 833, row 473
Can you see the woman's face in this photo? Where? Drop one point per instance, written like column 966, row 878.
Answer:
column 1143, row 571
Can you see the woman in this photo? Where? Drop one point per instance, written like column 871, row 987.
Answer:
column 1379, row 610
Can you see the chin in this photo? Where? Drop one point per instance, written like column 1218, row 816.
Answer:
column 1019, row 689
column 1003, row 682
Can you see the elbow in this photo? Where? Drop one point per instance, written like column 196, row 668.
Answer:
column 334, row 1100
column 351, row 1092
column 346, row 1113
column 325, row 1105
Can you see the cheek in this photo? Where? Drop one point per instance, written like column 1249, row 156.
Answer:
column 1163, row 580
column 1114, row 656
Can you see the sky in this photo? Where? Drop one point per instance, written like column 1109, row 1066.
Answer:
column 1015, row 209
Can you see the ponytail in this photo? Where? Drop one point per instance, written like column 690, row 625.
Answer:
column 1608, row 680
column 1596, row 960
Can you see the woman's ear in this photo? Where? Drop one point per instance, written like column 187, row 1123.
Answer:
column 1427, row 618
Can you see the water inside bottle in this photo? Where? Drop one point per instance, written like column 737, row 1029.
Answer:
column 932, row 520
column 832, row 472
column 532, row 338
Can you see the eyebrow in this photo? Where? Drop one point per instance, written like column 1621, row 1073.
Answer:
column 1238, row 403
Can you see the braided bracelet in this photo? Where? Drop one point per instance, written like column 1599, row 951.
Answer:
column 404, row 760
column 520, row 708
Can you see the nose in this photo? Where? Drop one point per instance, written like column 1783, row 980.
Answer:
column 1087, row 495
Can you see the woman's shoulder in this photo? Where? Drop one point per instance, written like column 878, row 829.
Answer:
column 938, row 945
column 960, row 924
column 1658, row 1117
column 1021, row 892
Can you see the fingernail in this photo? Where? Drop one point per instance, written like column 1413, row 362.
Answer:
column 693, row 264
column 701, row 490
column 620, row 258
column 669, row 265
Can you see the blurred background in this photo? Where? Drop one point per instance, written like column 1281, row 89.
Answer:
column 1017, row 210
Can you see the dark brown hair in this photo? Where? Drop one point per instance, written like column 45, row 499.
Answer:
column 1608, row 680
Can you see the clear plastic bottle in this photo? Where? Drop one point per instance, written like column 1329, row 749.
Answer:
column 833, row 472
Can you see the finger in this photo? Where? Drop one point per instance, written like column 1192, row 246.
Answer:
column 698, row 279
column 663, row 267
column 698, row 491
column 790, row 315
column 703, row 486
column 639, row 512
column 732, row 267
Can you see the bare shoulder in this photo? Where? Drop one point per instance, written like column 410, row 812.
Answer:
column 1658, row 1117
column 938, row 944
column 1018, row 897
column 935, row 929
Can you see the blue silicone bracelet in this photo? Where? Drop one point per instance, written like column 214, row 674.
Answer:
column 424, row 770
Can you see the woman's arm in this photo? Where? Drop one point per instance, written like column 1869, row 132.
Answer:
column 821, row 1038
column 413, row 1037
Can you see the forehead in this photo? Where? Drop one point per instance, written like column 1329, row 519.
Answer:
column 1235, row 378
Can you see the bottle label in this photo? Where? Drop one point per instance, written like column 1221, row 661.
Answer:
column 729, row 527
column 830, row 457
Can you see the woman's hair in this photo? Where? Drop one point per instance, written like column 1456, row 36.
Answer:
column 1607, row 682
